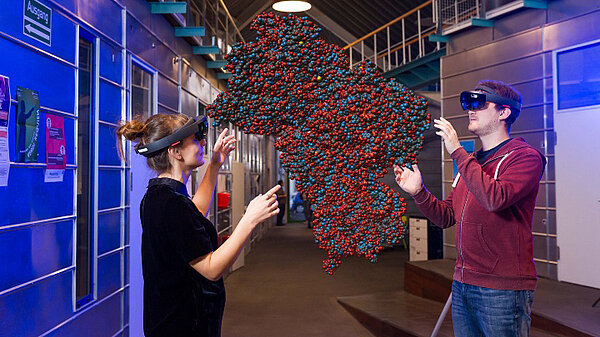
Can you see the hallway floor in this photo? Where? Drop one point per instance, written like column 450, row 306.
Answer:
column 283, row 291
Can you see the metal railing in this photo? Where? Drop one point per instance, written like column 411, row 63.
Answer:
column 221, row 29
column 407, row 49
column 453, row 12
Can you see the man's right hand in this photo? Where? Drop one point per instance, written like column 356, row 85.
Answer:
column 409, row 181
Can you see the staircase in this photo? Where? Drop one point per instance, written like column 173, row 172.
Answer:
column 420, row 72
column 560, row 309
column 210, row 30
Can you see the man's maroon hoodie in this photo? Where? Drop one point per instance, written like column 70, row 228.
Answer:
column 492, row 207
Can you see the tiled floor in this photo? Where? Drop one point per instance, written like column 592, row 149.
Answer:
column 282, row 290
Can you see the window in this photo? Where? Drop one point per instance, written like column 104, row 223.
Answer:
column 141, row 92
column 85, row 182
column 578, row 76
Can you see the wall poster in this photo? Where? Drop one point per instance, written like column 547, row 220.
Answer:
column 56, row 155
column 28, row 125
column 4, row 113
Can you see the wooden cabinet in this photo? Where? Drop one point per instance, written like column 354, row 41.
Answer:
column 417, row 232
column 425, row 240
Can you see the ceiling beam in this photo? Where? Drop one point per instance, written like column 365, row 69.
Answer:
column 251, row 12
column 336, row 29
column 348, row 20
column 366, row 13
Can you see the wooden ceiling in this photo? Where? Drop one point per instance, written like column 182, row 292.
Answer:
column 342, row 21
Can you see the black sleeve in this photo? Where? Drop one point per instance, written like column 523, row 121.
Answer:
column 185, row 231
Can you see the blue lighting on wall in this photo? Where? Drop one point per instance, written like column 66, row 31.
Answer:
column 578, row 82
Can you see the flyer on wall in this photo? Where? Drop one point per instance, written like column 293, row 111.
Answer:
column 56, row 155
column 4, row 113
column 28, row 125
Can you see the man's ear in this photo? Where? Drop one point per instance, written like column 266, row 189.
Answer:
column 504, row 114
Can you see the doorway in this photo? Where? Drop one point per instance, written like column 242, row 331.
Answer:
column 576, row 121
column 143, row 103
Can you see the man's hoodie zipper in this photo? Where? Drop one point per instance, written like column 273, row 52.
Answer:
column 462, row 215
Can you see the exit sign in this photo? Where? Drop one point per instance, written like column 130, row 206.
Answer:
column 37, row 21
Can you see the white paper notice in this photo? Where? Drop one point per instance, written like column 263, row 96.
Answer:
column 4, row 113
column 53, row 176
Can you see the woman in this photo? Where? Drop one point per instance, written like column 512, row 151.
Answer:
column 182, row 264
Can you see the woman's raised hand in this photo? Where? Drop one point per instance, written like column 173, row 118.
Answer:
column 224, row 145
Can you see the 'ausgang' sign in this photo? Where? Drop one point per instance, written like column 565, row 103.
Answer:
column 37, row 21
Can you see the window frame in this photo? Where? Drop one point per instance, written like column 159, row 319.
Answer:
column 86, row 300
column 555, row 75
column 133, row 60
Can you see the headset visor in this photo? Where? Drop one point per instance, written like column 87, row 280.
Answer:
column 475, row 100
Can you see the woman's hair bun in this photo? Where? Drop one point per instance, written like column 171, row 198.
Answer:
column 132, row 130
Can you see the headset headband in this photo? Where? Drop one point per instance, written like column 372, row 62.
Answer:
column 491, row 96
column 193, row 125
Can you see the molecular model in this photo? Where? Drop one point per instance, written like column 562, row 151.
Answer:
column 338, row 130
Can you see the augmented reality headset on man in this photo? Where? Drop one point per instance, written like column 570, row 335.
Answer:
column 195, row 125
column 475, row 100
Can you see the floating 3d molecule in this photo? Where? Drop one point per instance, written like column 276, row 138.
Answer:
column 338, row 130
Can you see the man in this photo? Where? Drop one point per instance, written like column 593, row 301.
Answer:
column 308, row 214
column 281, row 199
column 491, row 204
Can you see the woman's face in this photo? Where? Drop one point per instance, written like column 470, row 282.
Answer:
column 192, row 152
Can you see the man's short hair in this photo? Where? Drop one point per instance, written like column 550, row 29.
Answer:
column 506, row 91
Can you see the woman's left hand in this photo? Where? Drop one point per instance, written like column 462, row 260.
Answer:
column 224, row 145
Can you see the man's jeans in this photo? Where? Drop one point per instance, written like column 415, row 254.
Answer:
column 478, row 311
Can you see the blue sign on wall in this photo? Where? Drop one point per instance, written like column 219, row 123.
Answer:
column 469, row 146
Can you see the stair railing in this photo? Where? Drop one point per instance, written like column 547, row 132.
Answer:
column 221, row 29
column 398, row 53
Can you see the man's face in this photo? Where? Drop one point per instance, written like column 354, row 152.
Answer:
column 485, row 121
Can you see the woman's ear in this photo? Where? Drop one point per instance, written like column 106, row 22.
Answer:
column 174, row 152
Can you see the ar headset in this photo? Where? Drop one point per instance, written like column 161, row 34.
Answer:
column 195, row 125
column 474, row 100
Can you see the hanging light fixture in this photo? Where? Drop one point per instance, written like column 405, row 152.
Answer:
column 291, row 6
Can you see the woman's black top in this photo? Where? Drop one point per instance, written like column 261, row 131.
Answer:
column 178, row 301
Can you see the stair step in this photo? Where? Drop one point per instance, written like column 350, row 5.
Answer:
column 168, row 7
column 559, row 308
column 224, row 76
column 205, row 50
column 403, row 314
column 215, row 64
column 397, row 314
column 189, row 31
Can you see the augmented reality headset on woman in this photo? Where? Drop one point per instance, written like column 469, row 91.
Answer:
column 195, row 125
